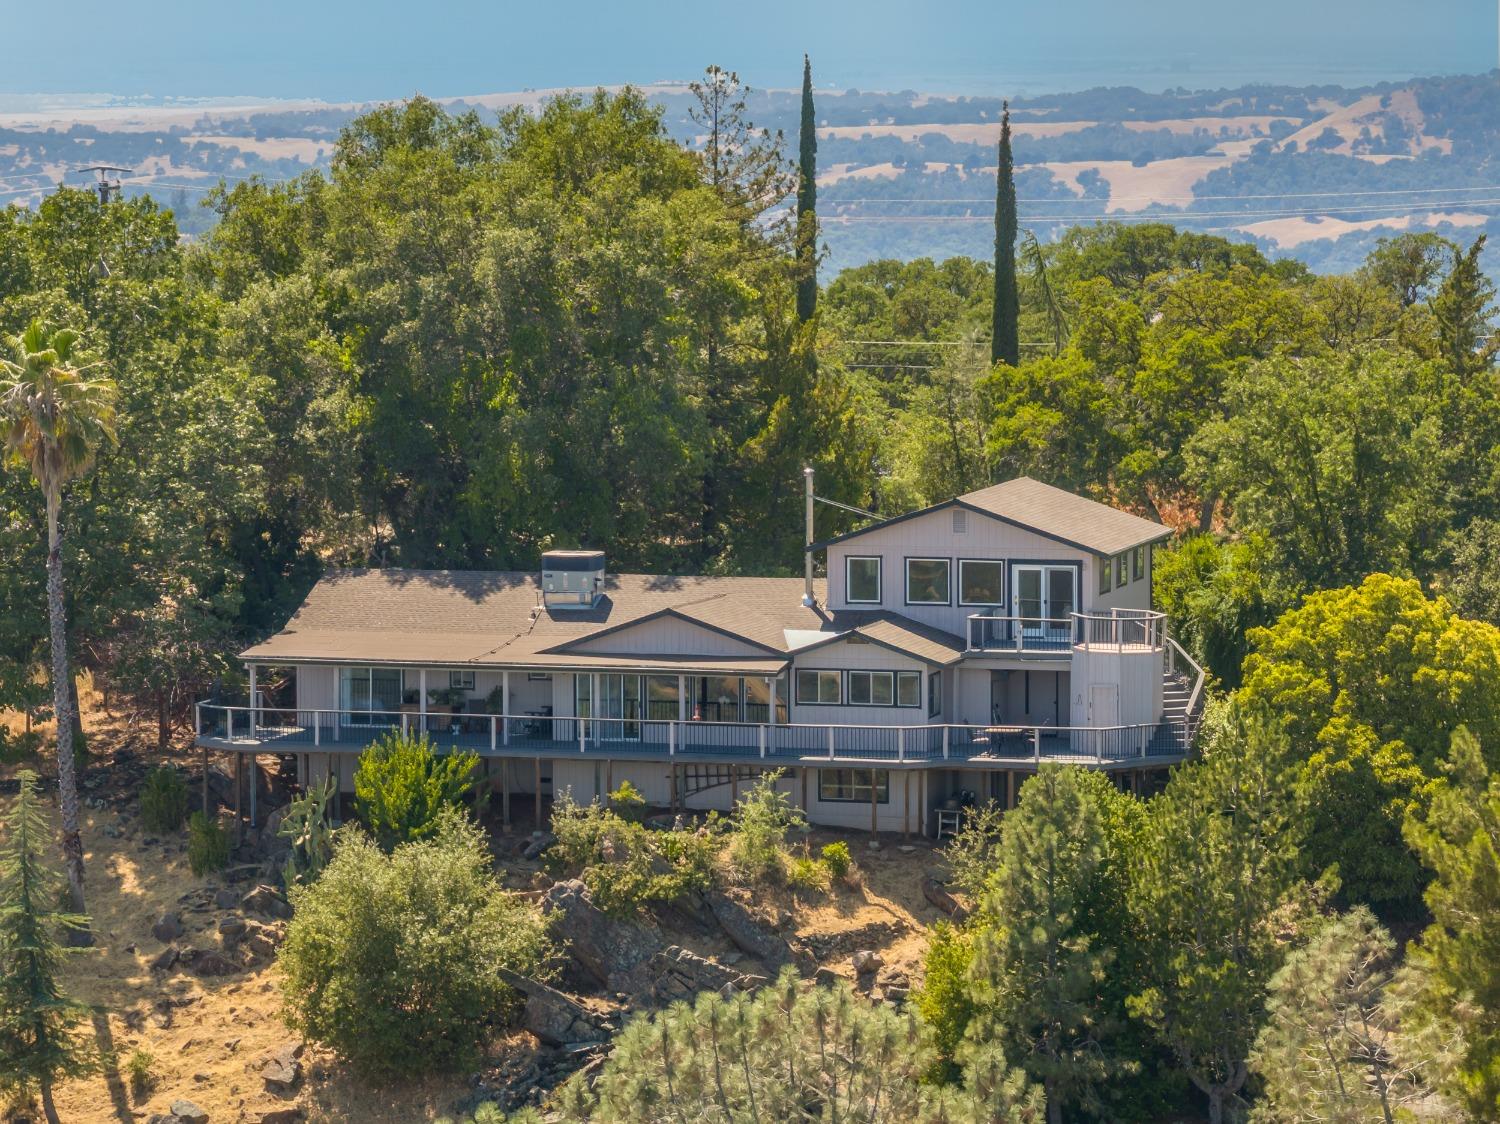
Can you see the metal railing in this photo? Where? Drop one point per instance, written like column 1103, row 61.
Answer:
column 277, row 730
column 1119, row 628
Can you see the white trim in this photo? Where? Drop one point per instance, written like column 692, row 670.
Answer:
column 879, row 561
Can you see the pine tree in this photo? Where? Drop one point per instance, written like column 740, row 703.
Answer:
column 37, row 1043
column 1462, row 310
column 1005, row 341
column 1040, row 966
column 807, row 202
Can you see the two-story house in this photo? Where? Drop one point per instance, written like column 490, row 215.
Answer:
column 948, row 652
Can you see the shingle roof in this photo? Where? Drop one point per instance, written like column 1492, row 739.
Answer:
column 496, row 619
column 1053, row 512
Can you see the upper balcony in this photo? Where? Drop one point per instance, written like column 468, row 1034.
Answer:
column 1119, row 630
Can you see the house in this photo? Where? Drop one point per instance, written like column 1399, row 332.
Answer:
column 947, row 654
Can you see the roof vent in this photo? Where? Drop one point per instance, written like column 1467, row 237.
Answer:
column 572, row 579
column 960, row 521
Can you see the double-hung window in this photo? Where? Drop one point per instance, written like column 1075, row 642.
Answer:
column 1140, row 563
column 1106, row 573
column 862, row 581
column 1122, row 570
column 819, row 688
column 908, row 688
column 927, row 581
column 461, row 680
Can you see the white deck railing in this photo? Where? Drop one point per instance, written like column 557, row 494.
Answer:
column 1117, row 629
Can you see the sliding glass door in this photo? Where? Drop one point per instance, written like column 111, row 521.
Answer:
column 366, row 692
column 620, row 701
column 1045, row 598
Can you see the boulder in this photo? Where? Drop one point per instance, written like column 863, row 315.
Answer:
column 206, row 962
column 267, row 902
column 231, row 929
column 553, row 1017
column 282, row 1116
column 187, row 1112
column 282, row 1068
column 164, row 959
column 611, row 951
column 865, row 961
column 168, row 928
column 936, row 893
column 540, row 841
column 680, row 974
column 748, row 934
column 827, row 977
column 226, row 898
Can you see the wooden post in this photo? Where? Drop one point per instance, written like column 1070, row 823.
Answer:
column 803, row 771
column 205, row 782
column 505, row 792
column 905, row 805
column 609, row 779
column 922, row 807
column 538, row 774
column 253, row 770
column 874, row 806
column 237, row 819
column 734, row 786
column 1010, row 790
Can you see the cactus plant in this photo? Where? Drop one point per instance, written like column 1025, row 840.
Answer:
column 308, row 826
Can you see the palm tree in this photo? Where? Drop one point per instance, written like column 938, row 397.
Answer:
column 54, row 419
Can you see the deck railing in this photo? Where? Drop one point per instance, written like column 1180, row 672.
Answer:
column 1119, row 628
column 277, row 730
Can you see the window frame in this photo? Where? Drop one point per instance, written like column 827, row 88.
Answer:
column 1004, row 573
column 1122, row 570
column 880, row 784
column 872, row 674
column 465, row 680
column 820, row 672
column 909, row 677
column 906, row 584
column 934, row 694
column 879, row 561
column 1138, row 563
column 1106, row 564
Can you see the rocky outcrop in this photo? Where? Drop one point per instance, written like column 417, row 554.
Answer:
column 612, row 951
column 936, row 893
column 267, row 902
column 747, row 933
column 553, row 1017
column 680, row 974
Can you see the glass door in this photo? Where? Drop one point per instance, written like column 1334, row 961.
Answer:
column 620, row 699
column 1045, row 599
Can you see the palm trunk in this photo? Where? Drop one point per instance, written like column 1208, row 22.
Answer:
column 62, row 702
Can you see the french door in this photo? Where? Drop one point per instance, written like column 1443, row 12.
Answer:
column 1045, row 598
column 619, row 705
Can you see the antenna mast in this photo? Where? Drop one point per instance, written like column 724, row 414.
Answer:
column 105, row 186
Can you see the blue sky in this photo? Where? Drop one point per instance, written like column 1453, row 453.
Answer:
column 346, row 50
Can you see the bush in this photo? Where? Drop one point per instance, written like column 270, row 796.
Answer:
column 138, row 1071
column 394, row 961
column 164, row 799
column 837, row 859
column 974, row 852
column 208, row 845
column 628, row 803
column 945, row 999
column 401, row 787
column 625, row 865
column 764, row 815
column 808, row 873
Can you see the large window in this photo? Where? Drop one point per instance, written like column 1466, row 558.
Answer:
column 908, row 688
column 862, row 581
column 364, row 692
column 758, row 699
column 819, row 688
column 981, row 582
column 852, row 786
column 871, row 688
column 927, row 581
column 661, row 698
column 714, row 698
column 461, row 680
column 934, row 694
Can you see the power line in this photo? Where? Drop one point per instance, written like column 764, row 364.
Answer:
column 1177, row 216
column 1156, row 195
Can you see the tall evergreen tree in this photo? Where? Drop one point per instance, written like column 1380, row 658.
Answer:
column 1005, row 341
column 37, row 1043
column 807, row 202
column 1462, row 311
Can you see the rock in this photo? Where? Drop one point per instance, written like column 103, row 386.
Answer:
column 612, row 951
column 164, row 959
column 891, row 993
column 267, row 902
column 552, row 1016
column 540, row 841
column 740, row 926
column 187, row 1112
column 261, row 940
column 231, row 929
column 827, row 977
column 168, row 928
column 936, row 893
column 283, row 1069
column 907, row 849
column 282, row 1116
column 205, row 962
column 865, row 961
column 680, row 974
column 226, row 898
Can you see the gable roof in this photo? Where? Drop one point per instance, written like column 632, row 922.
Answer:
column 1051, row 512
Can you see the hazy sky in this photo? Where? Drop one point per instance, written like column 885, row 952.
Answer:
column 343, row 49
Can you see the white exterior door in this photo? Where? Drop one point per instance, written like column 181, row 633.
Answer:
column 1104, row 704
column 1044, row 598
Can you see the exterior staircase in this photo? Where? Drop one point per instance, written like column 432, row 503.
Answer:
column 1182, row 697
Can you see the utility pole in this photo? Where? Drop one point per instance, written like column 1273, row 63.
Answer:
column 105, row 187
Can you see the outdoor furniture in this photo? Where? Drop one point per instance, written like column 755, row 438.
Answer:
column 948, row 821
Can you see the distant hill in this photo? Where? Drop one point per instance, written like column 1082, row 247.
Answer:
column 1318, row 173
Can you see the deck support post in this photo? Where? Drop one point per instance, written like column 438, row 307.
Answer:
column 254, row 768
column 609, row 781
column 505, row 792
column 237, row 818
column 537, row 761
column 874, row 801
column 205, row 782
column 1010, row 790
column 504, row 710
column 905, row 805
column 734, row 786
column 803, row 771
column 922, row 806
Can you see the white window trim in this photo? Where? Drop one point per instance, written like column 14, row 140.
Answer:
column 820, row 672
column 889, row 676
column 465, row 680
column 948, row 562
column 879, row 578
column 908, row 676
column 962, row 562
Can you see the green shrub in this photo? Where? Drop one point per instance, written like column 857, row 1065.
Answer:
column 945, row 999
column 974, row 852
column 394, row 961
column 138, row 1071
column 627, row 802
column 626, row 865
column 837, row 859
column 308, row 828
column 401, row 787
column 164, row 800
column 764, row 815
column 208, row 845
column 807, row 873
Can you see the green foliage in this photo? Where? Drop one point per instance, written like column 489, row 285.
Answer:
column 401, row 787
column 946, row 998
column 807, row 201
column 39, row 1042
column 164, row 800
column 1473, row 580
column 627, row 866
column 1330, row 1049
column 394, row 961
column 307, row 826
column 139, row 1070
column 792, row 1054
column 208, row 844
column 974, row 853
column 1368, row 682
column 762, row 819
column 1454, row 975
column 1005, row 332
column 803, row 872
column 627, row 802
column 837, row 859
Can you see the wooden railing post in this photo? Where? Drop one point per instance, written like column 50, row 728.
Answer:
column 494, row 732
column 830, row 743
column 1036, row 743
column 900, row 743
column 762, row 741
column 672, row 745
column 581, row 735
column 317, row 716
column 946, row 731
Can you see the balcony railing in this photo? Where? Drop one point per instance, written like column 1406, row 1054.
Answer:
column 267, row 729
column 1119, row 628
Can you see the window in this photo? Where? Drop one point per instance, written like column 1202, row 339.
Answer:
column 758, row 699
column 934, row 694
column 365, row 692
column 1122, row 570
column 661, row 698
column 1106, row 574
column 461, row 680
column 981, row 583
column 538, row 677
column 1140, row 563
column 908, row 688
column 927, row 581
column 818, row 688
column 714, row 698
column 871, row 688
column 852, row 786
column 862, row 581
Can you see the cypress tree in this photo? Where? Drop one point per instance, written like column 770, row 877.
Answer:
column 807, row 202
column 37, row 1043
column 1005, row 340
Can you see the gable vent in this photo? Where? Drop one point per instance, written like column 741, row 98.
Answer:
column 960, row 521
